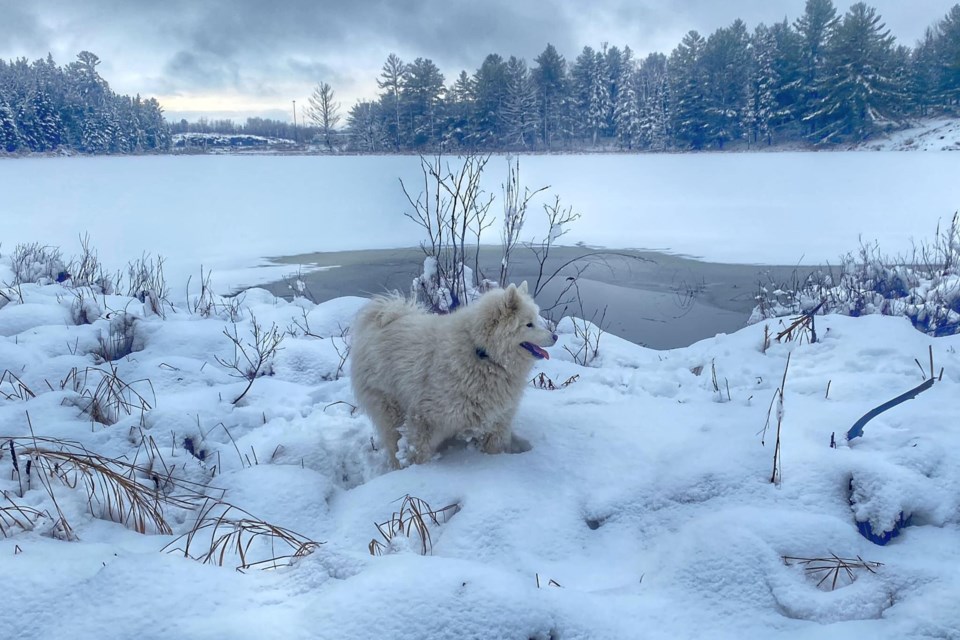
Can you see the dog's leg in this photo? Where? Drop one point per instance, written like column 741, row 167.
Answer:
column 498, row 440
column 424, row 438
column 387, row 417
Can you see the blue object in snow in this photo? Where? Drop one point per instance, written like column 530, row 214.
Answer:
column 883, row 537
column 63, row 276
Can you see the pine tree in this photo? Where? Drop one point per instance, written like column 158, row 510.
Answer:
column 460, row 107
column 591, row 93
column 391, row 80
column 816, row 29
column 9, row 135
column 725, row 63
column 619, row 66
column 948, row 56
column 789, row 91
column 422, row 94
column 628, row 107
column 653, row 82
column 688, row 89
column 550, row 78
column 490, row 94
column 762, row 111
column 520, row 107
column 858, row 98
column 366, row 127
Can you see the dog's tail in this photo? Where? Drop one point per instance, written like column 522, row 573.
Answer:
column 382, row 310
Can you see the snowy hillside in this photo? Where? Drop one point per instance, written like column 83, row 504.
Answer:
column 643, row 509
column 935, row 134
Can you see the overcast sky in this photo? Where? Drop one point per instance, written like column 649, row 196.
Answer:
column 236, row 58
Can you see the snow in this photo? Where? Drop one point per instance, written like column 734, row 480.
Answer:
column 933, row 134
column 229, row 214
column 645, row 495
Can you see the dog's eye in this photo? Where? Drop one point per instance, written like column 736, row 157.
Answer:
column 530, row 324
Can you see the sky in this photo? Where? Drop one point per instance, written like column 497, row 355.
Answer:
column 241, row 58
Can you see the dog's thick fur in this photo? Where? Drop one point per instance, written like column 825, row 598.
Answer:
column 440, row 376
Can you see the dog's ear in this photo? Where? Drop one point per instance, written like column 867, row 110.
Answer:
column 511, row 298
column 523, row 287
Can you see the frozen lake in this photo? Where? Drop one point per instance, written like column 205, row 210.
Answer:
column 229, row 212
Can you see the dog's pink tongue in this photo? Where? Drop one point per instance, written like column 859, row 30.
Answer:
column 536, row 350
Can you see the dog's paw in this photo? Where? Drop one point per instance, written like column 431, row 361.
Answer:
column 518, row 444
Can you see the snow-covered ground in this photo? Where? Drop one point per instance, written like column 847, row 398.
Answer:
column 934, row 134
column 228, row 213
column 644, row 508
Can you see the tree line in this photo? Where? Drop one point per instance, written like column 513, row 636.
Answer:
column 44, row 107
column 824, row 78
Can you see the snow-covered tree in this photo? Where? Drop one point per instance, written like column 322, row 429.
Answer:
column 422, row 94
column 366, row 127
column 550, row 78
column 390, row 82
column 816, row 30
column 520, row 121
column 628, row 107
column 762, row 108
column 490, row 95
column 856, row 100
column 688, row 90
column 591, row 92
column 654, row 87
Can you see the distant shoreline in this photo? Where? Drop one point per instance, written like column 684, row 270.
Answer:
column 647, row 295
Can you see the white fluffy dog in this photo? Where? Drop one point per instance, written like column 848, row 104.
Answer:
column 432, row 377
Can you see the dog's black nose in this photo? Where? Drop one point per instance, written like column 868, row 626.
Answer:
column 555, row 337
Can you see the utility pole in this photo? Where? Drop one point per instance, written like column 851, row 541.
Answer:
column 296, row 136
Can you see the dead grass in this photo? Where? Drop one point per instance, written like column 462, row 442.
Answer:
column 833, row 570
column 111, row 397
column 230, row 535
column 543, row 381
column 14, row 516
column 413, row 517
column 133, row 495
column 15, row 388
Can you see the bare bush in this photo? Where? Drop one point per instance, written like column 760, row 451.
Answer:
column 515, row 208
column 86, row 270
column 37, row 263
column 453, row 210
column 208, row 304
column 924, row 287
column 146, row 283
column 252, row 358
